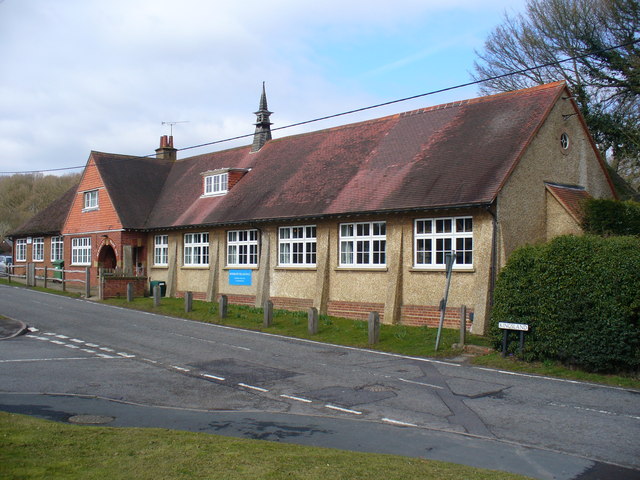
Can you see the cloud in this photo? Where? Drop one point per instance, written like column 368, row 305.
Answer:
column 83, row 74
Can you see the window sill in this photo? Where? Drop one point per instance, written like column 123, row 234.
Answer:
column 217, row 194
column 240, row 267
column 194, row 267
column 310, row 268
column 361, row 269
column 161, row 267
column 92, row 209
column 441, row 269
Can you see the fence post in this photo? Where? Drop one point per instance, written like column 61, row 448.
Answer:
column 188, row 301
column 156, row 296
column 268, row 313
column 222, row 310
column 45, row 276
column 87, row 282
column 130, row 292
column 374, row 328
column 31, row 273
column 312, row 315
column 64, row 285
column 463, row 324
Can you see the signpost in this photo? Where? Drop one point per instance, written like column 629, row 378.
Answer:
column 450, row 258
column 506, row 327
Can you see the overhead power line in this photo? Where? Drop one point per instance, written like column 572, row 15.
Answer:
column 362, row 109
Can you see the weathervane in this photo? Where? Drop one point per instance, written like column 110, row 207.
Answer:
column 171, row 124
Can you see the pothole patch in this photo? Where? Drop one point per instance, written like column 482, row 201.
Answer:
column 91, row 419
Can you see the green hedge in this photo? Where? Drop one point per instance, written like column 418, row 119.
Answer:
column 581, row 297
column 610, row 217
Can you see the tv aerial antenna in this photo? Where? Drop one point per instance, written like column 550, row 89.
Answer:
column 171, row 124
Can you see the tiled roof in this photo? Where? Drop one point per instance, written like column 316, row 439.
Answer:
column 571, row 197
column 50, row 220
column 451, row 155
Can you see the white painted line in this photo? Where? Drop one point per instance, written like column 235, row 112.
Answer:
column 33, row 329
column 206, row 375
column 88, row 350
column 298, row 399
column 263, row 390
column 57, row 342
column 64, row 337
column 594, row 410
column 45, row 359
column 398, row 422
column 92, row 345
column 104, row 355
column 178, row 368
column 345, row 410
column 105, row 349
column 39, row 338
column 126, row 355
column 68, row 345
column 77, row 340
column 421, row 383
column 49, row 334
column 145, row 359
column 240, row 348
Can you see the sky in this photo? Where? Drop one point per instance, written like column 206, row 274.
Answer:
column 111, row 76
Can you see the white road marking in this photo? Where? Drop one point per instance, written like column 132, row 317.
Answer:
column 398, row 422
column 87, row 350
column 64, row 337
column 421, row 383
column 105, row 349
column 33, row 329
column 595, row 410
column 345, row 410
column 126, row 355
column 49, row 334
column 240, row 348
column 47, row 359
column 92, row 345
column 178, row 368
column 298, row 399
column 57, row 342
column 68, row 345
column 206, row 375
column 77, row 340
column 263, row 390
column 104, row 355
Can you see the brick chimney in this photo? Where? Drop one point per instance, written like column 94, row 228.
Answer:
column 166, row 150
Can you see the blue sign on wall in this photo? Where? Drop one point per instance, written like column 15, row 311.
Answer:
column 240, row 277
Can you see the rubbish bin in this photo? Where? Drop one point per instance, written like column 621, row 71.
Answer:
column 59, row 266
column 162, row 285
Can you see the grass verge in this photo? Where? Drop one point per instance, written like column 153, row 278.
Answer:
column 32, row 448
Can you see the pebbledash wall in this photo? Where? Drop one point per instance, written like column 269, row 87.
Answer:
column 399, row 291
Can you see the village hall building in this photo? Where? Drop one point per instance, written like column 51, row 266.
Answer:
column 349, row 220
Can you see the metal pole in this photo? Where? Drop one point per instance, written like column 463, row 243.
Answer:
column 449, row 259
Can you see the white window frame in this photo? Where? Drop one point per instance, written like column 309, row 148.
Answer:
column 297, row 246
column 21, row 250
column 90, row 200
column 363, row 244
column 196, row 249
column 37, row 249
column 433, row 238
column 57, row 248
column 242, row 248
column 81, row 251
column 161, row 250
column 217, row 184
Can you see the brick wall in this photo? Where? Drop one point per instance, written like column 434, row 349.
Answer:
column 240, row 299
column 355, row 310
column 117, row 286
column 286, row 303
column 418, row 315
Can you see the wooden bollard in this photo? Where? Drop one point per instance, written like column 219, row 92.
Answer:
column 130, row 292
column 188, row 301
column 374, row 328
column 156, row 295
column 222, row 306
column 268, row 313
column 313, row 321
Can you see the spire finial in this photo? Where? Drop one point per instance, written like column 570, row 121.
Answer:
column 263, row 124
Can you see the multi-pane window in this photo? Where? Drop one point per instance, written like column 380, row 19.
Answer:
column 161, row 250
column 21, row 250
column 91, row 200
column 81, row 251
column 196, row 249
column 242, row 248
column 297, row 245
column 363, row 244
column 57, row 248
column 37, row 252
column 435, row 237
column 216, row 184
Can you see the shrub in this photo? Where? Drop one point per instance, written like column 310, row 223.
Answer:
column 610, row 217
column 581, row 298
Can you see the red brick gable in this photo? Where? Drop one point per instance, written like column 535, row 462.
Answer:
column 104, row 218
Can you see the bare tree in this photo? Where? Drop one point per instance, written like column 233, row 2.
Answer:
column 592, row 44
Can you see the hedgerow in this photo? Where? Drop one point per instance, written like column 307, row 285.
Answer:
column 611, row 217
column 581, row 298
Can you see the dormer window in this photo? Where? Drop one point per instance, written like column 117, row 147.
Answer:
column 91, row 200
column 216, row 184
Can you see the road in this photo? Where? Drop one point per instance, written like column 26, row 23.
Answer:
column 264, row 386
